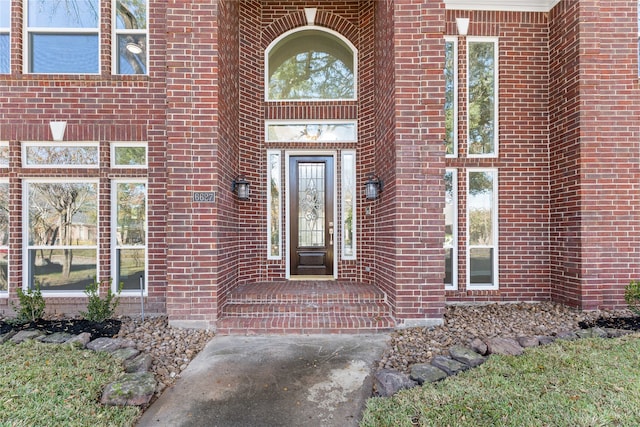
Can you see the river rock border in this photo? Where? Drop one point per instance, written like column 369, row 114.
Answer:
column 135, row 387
column 388, row 382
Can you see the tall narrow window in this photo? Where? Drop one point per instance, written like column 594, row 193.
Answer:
column 274, row 201
column 482, row 75
column 451, row 229
column 310, row 64
column 61, row 234
column 4, row 236
column 5, row 31
column 131, row 37
column 482, row 229
column 348, row 205
column 63, row 39
column 451, row 96
column 129, row 234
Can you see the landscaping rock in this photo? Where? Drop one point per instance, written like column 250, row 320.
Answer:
column 80, row 340
column 526, row 342
column 611, row 332
column 545, row 340
column 5, row 337
column 467, row 356
column 109, row 345
column 448, row 365
column 125, row 353
column 55, row 338
column 26, row 335
column 425, row 373
column 567, row 335
column 388, row 382
column 134, row 389
column 479, row 346
column 592, row 333
column 504, row 346
column 140, row 363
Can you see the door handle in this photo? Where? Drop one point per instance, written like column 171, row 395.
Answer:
column 331, row 233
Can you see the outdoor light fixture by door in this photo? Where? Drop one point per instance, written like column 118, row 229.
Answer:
column 373, row 187
column 240, row 186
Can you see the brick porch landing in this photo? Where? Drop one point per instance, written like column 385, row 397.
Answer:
column 305, row 307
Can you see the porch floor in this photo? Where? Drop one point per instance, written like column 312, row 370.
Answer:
column 305, row 307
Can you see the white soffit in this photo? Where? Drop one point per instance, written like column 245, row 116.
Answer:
column 502, row 5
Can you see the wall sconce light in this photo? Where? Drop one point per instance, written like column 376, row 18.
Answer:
column 240, row 186
column 373, row 187
column 463, row 26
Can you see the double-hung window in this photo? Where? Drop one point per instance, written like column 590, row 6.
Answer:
column 5, row 26
column 62, row 37
column 130, row 55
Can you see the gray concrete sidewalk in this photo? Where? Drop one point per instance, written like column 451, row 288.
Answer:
column 260, row 381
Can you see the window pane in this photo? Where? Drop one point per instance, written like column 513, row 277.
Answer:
column 480, row 205
column 66, row 155
column 482, row 89
column 63, row 214
column 132, row 54
column 311, row 64
column 481, row 265
column 4, row 270
column 448, row 266
column 311, row 214
column 131, row 214
column 311, row 132
column 62, row 269
column 64, row 53
column 274, row 205
column 5, row 13
column 131, row 14
column 449, row 110
column 130, row 156
column 4, row 214
column 130, row 267
column 348, row 202
column 4, row 154
column 63, row 14
column 449, row 209
column 4, row 54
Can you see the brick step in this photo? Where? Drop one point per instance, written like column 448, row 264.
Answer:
column 365, row 309
column 309, row 324
column 305, row 293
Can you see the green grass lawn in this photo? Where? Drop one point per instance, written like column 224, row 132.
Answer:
column 589, row 382
column 57, row 385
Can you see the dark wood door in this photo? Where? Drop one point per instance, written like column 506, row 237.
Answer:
column 311, row 215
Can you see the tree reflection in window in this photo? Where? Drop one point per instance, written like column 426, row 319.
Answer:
column 311, row 64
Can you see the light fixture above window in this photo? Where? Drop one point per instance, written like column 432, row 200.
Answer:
column 240, row 186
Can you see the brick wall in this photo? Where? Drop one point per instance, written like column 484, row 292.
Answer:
column 595, row 137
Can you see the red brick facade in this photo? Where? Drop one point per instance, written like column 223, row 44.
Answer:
column 568, row 164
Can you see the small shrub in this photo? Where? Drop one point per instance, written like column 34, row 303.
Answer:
column 632, row 296
column 98, row 309
column 31, row 305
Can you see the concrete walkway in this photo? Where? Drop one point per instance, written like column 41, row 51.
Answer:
column 260, row 381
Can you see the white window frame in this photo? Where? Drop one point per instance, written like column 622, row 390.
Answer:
column 494, row 226
column 123, row 31
column 271, row 256
column 5, row 293
column 344, row 179
column 25, row 233
column 454, row 40
column 132, row 144
column 496, row 56
column 89, row 144
column 7, row 31
column 306, row 28
column 28, row 49
column 114, row 235
column 269, row 123
column 454, row 245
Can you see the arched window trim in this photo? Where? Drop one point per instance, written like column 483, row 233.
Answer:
column 306, row 28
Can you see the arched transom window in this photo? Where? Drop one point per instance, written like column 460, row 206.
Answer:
column 310, row 64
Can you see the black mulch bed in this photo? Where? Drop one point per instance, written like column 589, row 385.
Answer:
column 108, row 328
column 629, row 323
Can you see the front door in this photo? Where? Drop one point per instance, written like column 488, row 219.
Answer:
column 311, row 215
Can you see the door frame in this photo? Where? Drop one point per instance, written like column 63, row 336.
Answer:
column 326, row 153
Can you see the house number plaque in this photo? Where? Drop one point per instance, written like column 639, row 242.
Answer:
column 204, row 196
